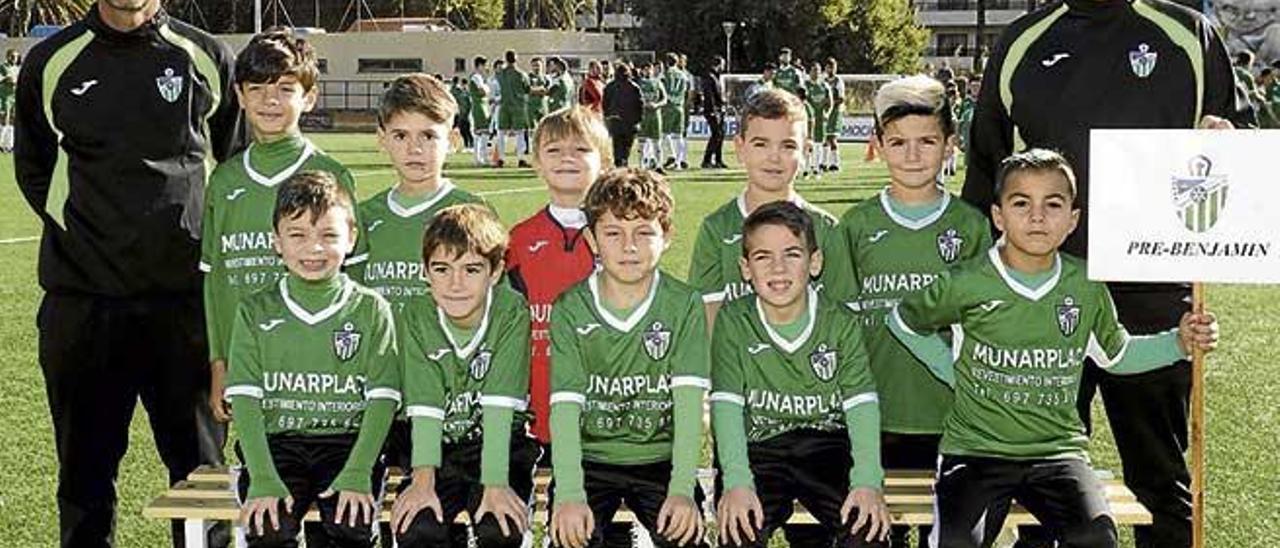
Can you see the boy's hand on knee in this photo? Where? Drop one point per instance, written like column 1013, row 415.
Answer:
column 679, row 520
column 418, row 496
column 257, row 512
column 1198, row 331
column 358, row 508
column 572, row 525
column 217, row 384
column 740, row 510
column 872, row 513
column 503, row 503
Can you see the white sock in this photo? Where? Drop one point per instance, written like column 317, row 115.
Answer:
column 478, row 146
column 835, row 155
column 682, row 152
column 502, row 144
column 521, row 144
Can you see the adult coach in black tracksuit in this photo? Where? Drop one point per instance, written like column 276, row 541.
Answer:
column 1055, row 74
column 711, row 97
column 119, row 118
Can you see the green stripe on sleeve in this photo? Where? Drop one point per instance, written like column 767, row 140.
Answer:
column 1185, row 39
column 59, row 183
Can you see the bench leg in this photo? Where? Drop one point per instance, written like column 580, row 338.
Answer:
column 194, row 533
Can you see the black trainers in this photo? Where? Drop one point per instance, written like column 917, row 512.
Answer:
column 684, row 166
column 524, row 164
column 670, row 163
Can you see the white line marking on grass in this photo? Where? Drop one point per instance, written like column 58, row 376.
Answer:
column 510, row 191
column 22, row 240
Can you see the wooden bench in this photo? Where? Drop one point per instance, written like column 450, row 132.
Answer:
column 206, row 496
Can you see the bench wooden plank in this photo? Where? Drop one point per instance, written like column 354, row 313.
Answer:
column 206, row 494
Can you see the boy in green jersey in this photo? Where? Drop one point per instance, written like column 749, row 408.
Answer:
column 313, row 380
column 830, row 159
column 770, row 145
column 481, row 110
column 536, row 103
column 9, row 70
column 276, row 83
column 560, row 89
column 1024, row 320
column 676, row 82
column 818, row 97
column 794, row 406
column 653, row 96
column 629, row 368
column 466, row 386
column 414, row 119
column 513, row 109
column 895, row 245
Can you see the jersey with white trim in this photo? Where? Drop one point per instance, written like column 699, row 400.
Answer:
column 1019, row 354
column 790, row 385
column 888, row 257
column 451, row 380
column 789, row 78
column 714, row 270
column 676, row 83
column 622, row 370
column 237, row 255
column 393, row 265
column 544, row 259
column 315, row 372
column 537, row 104
column 560, row 92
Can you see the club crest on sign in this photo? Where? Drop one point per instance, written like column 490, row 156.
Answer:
column 479, row 366
column 657, row 340
column 1068, row 316
column 170, row 85
column 949, row 242
column 1143, row 61
column 1200, row 196
column 346, row 342
column 823, row 360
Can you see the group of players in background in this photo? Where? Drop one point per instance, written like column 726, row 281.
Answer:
column 411, row 329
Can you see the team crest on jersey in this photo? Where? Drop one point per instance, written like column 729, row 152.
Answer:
column 1143, row 61
column 949, row 242
column 1201, row 196
column 823, row 360
column 1068, row 316
column 657, row 341
column 479, row 366
column 346, row 342
column 170, row 85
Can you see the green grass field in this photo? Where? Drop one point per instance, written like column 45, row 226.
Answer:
column 1243, row 390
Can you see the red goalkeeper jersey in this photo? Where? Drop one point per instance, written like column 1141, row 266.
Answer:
column 547, row 255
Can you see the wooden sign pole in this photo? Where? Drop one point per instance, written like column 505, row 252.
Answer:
column 1197, row 428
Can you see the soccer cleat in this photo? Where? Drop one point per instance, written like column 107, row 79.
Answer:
column 670, row 163
column 684, row 166
column 524, row 164
column 498, row 163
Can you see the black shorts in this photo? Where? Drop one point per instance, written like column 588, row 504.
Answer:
column 643, row 487
column 307, row 465
column 809, row 466
column 458, row 487
column 973, row 496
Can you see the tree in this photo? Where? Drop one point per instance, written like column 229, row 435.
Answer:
column 20, row 15
column 863, row 35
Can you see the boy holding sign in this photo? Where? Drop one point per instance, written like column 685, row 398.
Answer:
column 1025, row 319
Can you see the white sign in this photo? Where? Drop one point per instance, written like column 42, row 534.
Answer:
column 1184, row 206
column 852, row 128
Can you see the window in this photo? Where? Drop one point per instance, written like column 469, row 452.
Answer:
column 459, row 65
column 322, row 65
column 951, row 44
column 396, row 66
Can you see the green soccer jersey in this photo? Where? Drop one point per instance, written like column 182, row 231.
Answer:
column 9, row 77
column 1018, row 354
column 236, row 253
column 314, row 367
column 676, row 83
column 451, row 379
column 462, row 96
column 713, row 269
column 514, row 84
column 789, row 78
column 652, row 94
column 886, row 256
column 393, row 235
column 818, row 95
column 560, row 92
column 790, row 384
column 537, row 104
column 622, row 370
